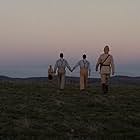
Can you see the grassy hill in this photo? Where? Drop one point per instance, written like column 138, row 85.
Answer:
column 33, row 109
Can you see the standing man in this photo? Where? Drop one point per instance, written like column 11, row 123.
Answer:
column 106, row 68
column 84, row 71
column 60, row 66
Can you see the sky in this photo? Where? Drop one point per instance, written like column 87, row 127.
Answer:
column 34, row 32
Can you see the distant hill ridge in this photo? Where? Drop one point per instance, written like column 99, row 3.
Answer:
column 120, row 79
column 2, row 77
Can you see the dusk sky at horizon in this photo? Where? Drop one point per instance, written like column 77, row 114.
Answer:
column 34, row 32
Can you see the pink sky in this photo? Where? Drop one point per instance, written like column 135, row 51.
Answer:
column 35, row 31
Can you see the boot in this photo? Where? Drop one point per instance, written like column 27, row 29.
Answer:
column 106, row 89
column 103, row 88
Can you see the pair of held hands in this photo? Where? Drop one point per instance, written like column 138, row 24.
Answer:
column 71, row 70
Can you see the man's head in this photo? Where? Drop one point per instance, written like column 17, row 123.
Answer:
column 106, row 49
column 61, row 55
column 50, row 66
column 84, row 56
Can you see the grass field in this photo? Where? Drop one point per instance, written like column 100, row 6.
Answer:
column 36, row 110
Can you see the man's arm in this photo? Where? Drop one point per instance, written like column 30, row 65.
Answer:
column 68, row 66
column 89, row 68
column 76, row 66
column 56, row 66
column 112, row 65
column 98, row 63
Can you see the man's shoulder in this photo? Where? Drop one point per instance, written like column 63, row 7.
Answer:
column 57, row 60
column 102, row 55
column 81, row 61
column 110, row 55
column 87, row 61
column 64, row 60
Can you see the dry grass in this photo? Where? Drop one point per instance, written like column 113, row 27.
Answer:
column 36, row 110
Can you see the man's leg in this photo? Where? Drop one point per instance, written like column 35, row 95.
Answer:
column 62, row 81
column 82, row 86
column 86, row 79
column 59, row 80
column 103, row 82
column 107, row 82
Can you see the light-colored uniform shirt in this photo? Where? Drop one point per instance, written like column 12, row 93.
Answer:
column 83, row 64
column 61, row 63
column 108, row 65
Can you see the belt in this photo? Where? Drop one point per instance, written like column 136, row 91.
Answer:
column 106, row 65
column 61, row 67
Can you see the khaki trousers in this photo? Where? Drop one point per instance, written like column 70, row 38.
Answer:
column 61, row 80
column 105, row 79
column 83, row 78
